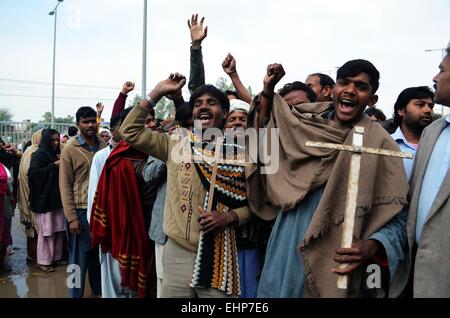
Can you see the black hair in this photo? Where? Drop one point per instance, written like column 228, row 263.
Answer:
column 118, row 119
column 230, row 92
column 183, row 114
column 325, row 80
column 298, row 86
column 406, row 96
column 355, row 67
column 214, row 92
column 72, row 131
column 46, row 141
column 114, row 121
column 159, row 122
column 373, row 111
column 27, row 144
column 85, row 112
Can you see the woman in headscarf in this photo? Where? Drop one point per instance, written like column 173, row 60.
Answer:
column 10, row 159
column 26, row 216
column 45, row 200
column 5, row 234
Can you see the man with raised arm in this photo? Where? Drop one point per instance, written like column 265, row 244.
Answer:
column 189, row 272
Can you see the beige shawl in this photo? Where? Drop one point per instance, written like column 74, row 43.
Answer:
column 382, row 186
column 26, row 216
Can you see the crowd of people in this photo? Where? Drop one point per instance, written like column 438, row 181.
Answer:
column 178, row 208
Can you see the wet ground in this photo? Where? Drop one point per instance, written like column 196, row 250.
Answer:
column 26, row 280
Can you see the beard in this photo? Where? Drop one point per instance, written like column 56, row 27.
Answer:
column 415, row 126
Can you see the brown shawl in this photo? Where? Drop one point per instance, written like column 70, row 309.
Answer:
column 26, row 216
column 382, row 186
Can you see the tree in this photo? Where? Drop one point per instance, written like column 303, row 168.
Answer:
column 163, row 110
column 5, row 114
column 135, row 101
column 47, row 118
column 223, row 84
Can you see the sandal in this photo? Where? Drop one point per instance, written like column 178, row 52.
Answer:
column 46, row 268
column 60, row 263
column 9, row 250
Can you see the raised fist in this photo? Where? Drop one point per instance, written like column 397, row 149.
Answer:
column 99, row 107
column 229, row 64
column 275, row 73
column 171, row 85
column 127, row 87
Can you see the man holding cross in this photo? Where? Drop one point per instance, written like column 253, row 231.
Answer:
column 187, row 220
column 309, row 190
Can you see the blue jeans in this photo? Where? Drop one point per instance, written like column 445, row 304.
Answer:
column 81, row 254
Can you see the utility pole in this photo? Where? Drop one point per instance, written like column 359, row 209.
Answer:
column 144, row 53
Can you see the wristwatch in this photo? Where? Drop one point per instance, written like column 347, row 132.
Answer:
column 150, row 101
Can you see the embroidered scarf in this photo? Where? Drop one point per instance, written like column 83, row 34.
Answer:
column 117, row 219
column 216, row 265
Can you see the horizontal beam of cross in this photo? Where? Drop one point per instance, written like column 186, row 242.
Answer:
column 361, row 150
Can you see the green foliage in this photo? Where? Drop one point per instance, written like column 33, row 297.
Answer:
column 5, row 114
column 135, row 101
column 164, row 109
column 47, row 118
column 224, row 85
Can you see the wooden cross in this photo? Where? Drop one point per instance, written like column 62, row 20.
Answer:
column 215, row 161
column 352, row 187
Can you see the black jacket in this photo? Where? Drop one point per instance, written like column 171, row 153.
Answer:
column 43, row 176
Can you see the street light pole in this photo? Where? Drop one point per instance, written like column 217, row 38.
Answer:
column 144, row 53
column 55, row 13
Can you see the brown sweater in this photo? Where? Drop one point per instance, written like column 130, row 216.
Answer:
column 185, row 192
column 74, row 170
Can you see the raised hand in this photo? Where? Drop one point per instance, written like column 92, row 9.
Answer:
column 176, row 97
column 10, row 148
column 171, row 85
column 229, row 64
column 275, row 73
column 99, row 108
column 127, row 87
column 198, row 33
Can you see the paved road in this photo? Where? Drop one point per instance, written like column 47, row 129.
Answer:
column 27, row 281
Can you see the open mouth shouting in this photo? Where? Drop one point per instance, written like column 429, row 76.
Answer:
column 206, row 118
column 347, row 105
column 347, row 108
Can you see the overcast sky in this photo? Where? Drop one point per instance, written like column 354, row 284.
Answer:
column 99, row 45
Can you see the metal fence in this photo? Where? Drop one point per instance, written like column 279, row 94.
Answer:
column 18, row 133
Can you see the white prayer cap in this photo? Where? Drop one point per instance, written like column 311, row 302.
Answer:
column 239, row 105
column 104, row 130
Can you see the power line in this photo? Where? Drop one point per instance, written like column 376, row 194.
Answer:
column 39, row 96
column 60, row 84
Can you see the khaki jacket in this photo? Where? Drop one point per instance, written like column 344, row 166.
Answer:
column 185, row 193
column 74, row 170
